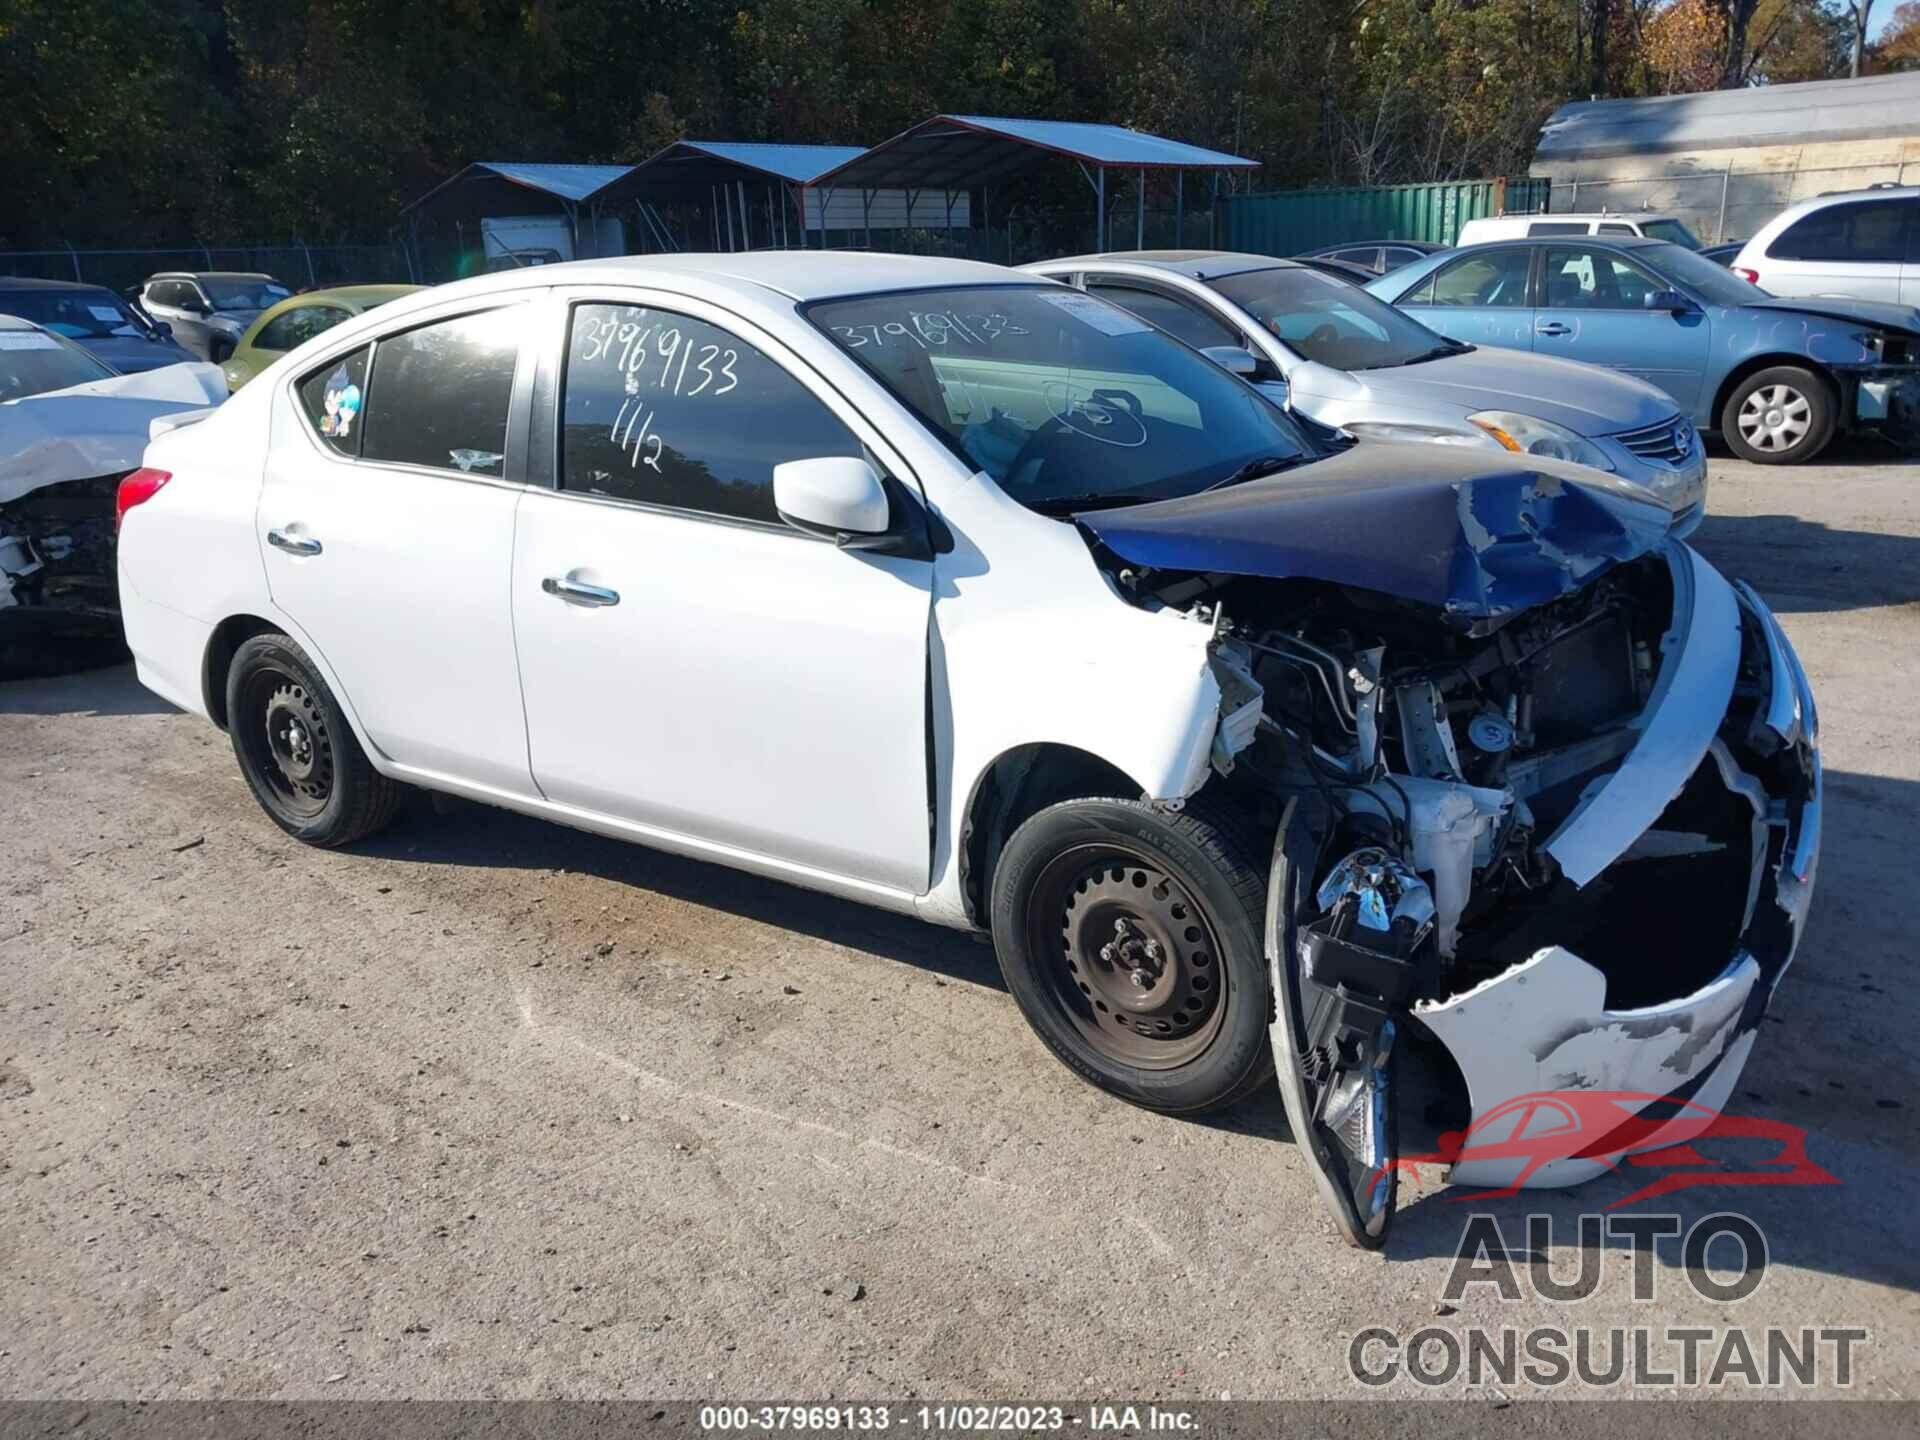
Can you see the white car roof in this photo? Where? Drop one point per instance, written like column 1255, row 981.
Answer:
column 800, row 275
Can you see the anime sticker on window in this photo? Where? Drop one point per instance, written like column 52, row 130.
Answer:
column 340, row 403
column 333, row 396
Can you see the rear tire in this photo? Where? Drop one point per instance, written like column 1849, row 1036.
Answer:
column 1783, row 415
column 1130, row 938
column 294, row 745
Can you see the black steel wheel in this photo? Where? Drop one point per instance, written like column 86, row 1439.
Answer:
column 1129, row 936
column 294, row 745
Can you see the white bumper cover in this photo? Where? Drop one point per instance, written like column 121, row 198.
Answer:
column 1544, row 1025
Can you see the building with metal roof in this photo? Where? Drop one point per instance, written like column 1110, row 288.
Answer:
column 492, row 213
column 743, row 194
column 1727, row 161
column 959, row 153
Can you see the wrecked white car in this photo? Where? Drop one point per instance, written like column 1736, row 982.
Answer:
column 933, row 587
column 70, row 428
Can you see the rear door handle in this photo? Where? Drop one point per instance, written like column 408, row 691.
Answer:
column 293, row 544
column 576, row 593
column 1552, row 327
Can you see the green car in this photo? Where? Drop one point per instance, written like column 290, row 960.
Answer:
column 298, row 319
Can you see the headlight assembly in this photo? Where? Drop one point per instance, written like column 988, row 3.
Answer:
column 1530, row 435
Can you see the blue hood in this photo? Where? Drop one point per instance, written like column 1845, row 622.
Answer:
column 1476, row 537
column 131, row 354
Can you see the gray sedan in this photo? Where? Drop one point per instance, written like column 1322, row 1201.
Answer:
column 1338, row 356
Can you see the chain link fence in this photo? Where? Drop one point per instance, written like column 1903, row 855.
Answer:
column 299, row 266
column 1725, row 203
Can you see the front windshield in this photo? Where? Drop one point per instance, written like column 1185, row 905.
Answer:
column 1671, row 231
column 245, row 292
column 32, row 364
column 76, row 314
column 1331, row 321
column 1062, row 398
column 1712, row 282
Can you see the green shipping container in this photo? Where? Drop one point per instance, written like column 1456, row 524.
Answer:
column 1291, row 222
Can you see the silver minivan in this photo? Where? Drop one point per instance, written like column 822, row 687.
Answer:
column 1860, row 244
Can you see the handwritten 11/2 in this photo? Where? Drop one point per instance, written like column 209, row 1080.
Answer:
column 625, row 344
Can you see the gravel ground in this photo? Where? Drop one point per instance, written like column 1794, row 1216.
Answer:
column 491, row 1108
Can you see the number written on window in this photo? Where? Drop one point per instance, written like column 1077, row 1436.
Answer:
column 664, row 409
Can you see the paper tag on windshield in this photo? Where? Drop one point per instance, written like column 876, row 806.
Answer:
column 1107, row 319
column 27, row 340
column 105, row 312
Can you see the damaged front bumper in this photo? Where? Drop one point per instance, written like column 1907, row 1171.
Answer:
column 1732, row 717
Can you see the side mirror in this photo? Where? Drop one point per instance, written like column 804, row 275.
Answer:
column 162, row 329
column 1235, row 359
column 836, row 497
column 1671, row 300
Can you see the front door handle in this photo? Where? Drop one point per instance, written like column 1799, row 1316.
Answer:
column 576, row 593
column 1552, row 327
column 293, row 544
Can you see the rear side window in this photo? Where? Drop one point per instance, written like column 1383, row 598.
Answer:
column 1558, row 227
column 297, row 326
column 1863, row 233
column 439, row 394
column 1617, row 230
column 1497, row 279
column 1177, row 318
column 664, row 409
column 333, row 397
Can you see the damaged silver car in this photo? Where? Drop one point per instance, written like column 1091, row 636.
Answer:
column 70, row 429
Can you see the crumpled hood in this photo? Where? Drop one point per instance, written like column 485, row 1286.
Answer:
column 99, row 428
column 1475, row 537
column 1880, row 313
column 1584, row 398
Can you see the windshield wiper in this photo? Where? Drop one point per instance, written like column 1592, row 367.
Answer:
column 1439, row 352
column 1257, row 469
column 1086, row 500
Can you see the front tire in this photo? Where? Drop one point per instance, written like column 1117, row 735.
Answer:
column 1782, row 415
column 1130, row 938
column 294, row 745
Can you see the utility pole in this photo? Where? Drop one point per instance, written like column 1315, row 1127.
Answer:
column 1861, row 9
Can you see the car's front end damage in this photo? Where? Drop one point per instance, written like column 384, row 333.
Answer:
column 62, row 456
column 1544, row 789
column 1870, row 348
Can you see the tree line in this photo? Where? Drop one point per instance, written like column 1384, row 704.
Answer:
column 152, row 122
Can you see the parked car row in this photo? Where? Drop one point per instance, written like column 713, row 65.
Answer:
column 1778, row 343
column 1255, row 748
column 84, row 376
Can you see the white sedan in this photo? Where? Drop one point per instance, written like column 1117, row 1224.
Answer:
column 953, row 591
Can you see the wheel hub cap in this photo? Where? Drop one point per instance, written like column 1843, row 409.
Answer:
column 1777, row 417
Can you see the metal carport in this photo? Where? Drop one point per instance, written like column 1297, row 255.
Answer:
column 501, row 187
column 958, row 153
column 724, row 177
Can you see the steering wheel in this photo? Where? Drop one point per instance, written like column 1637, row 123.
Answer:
column 1327, row 334
column 1029, row 451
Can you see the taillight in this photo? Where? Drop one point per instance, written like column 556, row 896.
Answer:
column 1752, row 277
column 138, row 488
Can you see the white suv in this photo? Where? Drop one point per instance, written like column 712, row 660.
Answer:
column 1519, row 227
column 1861, row 244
